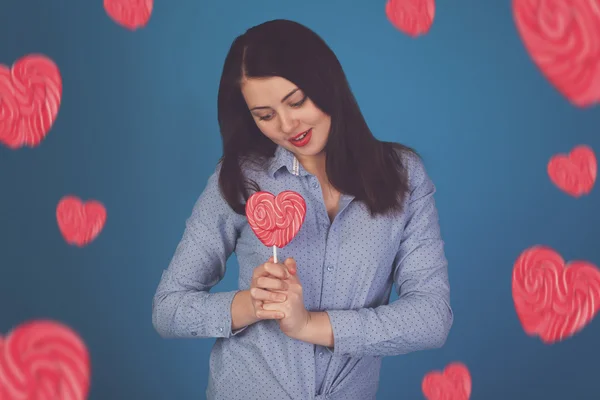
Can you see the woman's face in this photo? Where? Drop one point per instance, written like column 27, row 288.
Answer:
column 285, row 115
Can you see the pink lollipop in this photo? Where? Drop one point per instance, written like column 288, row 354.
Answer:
column 276, row 220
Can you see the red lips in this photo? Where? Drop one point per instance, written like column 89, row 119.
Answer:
column 300, row 134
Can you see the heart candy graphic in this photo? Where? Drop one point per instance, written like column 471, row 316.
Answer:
column 553, row 300
column 454, row 383
column 276, row 220
column 30, row 96
column 130, row 14
column 563, row 39
column 412, row 17
column 80, row 223
column 44, row 360
column 575, row 173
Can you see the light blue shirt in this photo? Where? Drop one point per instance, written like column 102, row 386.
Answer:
column 347, row 268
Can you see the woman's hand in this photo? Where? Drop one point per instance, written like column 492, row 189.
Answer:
column 268, row 285
column 296, row 317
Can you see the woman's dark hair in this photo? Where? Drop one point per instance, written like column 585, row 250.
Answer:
column 356, row 162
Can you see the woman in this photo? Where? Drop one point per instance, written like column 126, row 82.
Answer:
column 317, row 325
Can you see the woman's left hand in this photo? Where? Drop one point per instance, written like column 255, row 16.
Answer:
column 296, row 315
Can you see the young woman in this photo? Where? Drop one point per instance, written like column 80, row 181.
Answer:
column 317, row 325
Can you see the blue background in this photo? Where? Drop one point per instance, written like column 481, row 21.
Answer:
column 137, row 130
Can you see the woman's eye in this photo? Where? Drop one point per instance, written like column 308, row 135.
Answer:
column 298, row 104
column 265, row 117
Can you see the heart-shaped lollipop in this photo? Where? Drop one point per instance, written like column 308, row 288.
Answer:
column 276, row 219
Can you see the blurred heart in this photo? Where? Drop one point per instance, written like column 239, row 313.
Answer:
column 276, row 220
column 80, row 223
column 454, row 383
column 563, row 39
column 553, row 300
column 44, row 360
column 130, row 14
column 30, row 96
column 574, row 173
column 412, row 17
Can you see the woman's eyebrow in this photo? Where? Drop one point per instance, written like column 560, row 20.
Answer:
column 287, row 96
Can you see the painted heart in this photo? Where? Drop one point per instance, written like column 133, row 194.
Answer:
column 276, row 220
column 130, row 14
column 44, row 360
column 80, row 223
column 563, row 39
column 412, row 17
column 553, row 300
column 454, row 383
column 30, row 96
column 574, row 173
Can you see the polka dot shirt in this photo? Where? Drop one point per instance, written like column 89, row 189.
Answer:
column 347, row 268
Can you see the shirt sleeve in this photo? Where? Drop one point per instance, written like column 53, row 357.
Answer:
column 421, row 317
column 183, row 306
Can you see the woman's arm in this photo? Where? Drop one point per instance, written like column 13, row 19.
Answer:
column 421, row 317
column 182, row 305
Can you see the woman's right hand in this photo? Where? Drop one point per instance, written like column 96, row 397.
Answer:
column 267, row 280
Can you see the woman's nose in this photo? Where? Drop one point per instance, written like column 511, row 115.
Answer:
column 288, row 123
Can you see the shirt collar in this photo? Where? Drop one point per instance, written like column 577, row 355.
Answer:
column 285, row 158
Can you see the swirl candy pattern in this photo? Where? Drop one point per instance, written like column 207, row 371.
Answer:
column 575, row 173
column 43, row 360
column 563, row 39
column 554, row 300
column 276, row 220
column 30, row 96
column 454, row 383
column 131, row 14
column 413, row 17
column 80, row 223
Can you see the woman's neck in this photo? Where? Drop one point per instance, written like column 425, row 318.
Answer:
column 314, row 165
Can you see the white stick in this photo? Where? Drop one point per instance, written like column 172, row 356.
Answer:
column 275, row 254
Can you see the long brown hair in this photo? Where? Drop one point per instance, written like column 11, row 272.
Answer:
column 356, row 162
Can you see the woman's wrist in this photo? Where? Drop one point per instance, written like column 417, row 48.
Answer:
column 242, row 311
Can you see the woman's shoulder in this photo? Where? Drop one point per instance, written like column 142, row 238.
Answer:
column 411, row 163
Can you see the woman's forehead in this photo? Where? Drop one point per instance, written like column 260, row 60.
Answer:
column 272, row 90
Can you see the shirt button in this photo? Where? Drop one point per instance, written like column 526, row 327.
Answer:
column 220, row 329
column 330, row 268
column 321, row 354
column 315, row 184
column 194, row 333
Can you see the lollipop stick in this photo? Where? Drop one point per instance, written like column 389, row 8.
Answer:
column 275, row 254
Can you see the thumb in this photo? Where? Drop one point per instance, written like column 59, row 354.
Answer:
column 290, row 263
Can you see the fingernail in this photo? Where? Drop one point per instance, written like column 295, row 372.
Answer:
column 281, row 297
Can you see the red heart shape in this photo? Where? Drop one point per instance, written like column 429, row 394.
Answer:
column 131, row 14
column 412, row 17
column 553, row 300
column 575, row 173
column 80, row 223
column 452, row 384
column 44, row 360
column 30, row 96
column 276, row 220
column 563, row 39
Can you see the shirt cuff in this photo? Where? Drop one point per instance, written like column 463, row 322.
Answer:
column 348, row 332
column 218, row 321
